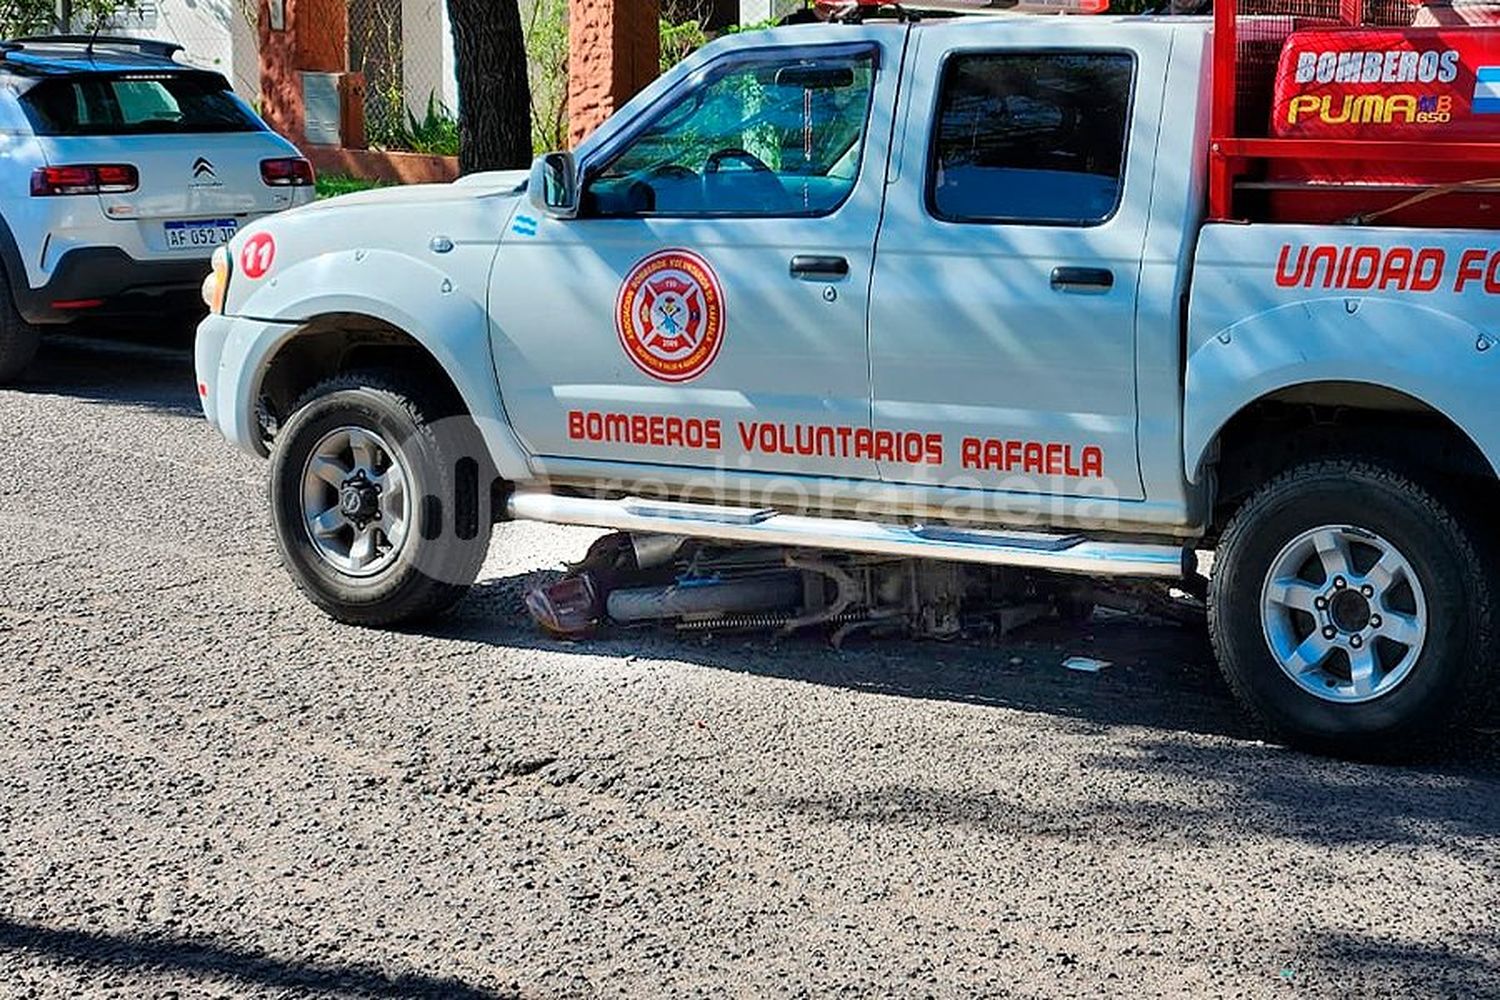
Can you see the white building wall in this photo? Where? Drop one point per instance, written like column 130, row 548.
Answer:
column 214, row 34
column 427, row 55
column 217, row 35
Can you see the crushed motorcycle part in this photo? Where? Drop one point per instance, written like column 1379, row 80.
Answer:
column 761, row 592
column 698, row 586
column 568, row 607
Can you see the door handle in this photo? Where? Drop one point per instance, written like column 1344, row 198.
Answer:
column 813, row 266
column 1100, row 278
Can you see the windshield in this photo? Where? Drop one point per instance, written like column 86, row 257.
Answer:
column 136, row 104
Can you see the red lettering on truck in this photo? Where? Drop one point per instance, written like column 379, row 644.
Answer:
column 1385, row 269
column 656, row 430
column 1479, row 265
column 835, row 441
column 1051, row 458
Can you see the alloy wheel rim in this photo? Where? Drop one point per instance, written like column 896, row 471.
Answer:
column 355, row 501
column 1344, row 614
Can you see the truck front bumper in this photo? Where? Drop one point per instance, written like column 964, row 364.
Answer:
column 230, row 357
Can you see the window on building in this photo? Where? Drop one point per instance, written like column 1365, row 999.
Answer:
column 775, row 137
column 1031, row 138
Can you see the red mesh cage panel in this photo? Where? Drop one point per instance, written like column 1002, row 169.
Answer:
column 1261, row 39
column 1389, row 13
column 1457, row 15
column 1418, row 85
column 1302, row 134
column 1427, row 84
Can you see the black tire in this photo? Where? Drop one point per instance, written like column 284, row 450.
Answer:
column 1447, row 679
column 18, row 338
column 448, row 483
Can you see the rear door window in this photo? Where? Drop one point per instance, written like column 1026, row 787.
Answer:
column 1033, row 138
column 136, row 104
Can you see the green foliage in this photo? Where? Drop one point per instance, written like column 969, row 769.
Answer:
column 332, row 185
column 435, row 133
column 26, row 17
column 546, row 35
column 735, row 29
column 385, row 109
column 678, row 41
column 33, row 17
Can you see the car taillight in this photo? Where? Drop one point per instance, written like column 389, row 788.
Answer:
column 290, row 171
column 85, row 178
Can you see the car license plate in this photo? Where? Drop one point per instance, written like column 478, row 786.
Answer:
column 199, row 234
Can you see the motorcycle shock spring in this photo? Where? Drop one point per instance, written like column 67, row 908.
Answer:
column 751, row 622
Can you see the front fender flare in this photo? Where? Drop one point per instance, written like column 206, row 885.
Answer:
column 1425, row 353
column 447, row 320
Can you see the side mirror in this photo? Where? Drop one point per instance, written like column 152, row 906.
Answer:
column 553, row 187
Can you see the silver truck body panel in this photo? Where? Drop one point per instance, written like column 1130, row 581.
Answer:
column 967, row 334
column 334, row 258
column 939, row 328
column 1277, row 306
column 791, row 352
column 766, row 526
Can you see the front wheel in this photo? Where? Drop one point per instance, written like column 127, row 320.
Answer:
column 1351, row 611
column 377, row 496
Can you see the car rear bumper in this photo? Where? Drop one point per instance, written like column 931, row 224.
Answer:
column 93, row 280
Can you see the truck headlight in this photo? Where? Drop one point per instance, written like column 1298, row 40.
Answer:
column 216, row 285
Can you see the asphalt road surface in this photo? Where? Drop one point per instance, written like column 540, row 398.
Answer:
column 208, row 789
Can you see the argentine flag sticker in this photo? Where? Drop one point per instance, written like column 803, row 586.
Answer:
column 1487, row 90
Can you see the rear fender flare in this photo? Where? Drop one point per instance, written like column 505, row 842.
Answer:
column 1425, row 353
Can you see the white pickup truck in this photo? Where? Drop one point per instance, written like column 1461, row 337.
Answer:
column 876, row 294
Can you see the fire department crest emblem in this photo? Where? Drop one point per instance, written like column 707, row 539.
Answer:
column 670, row 315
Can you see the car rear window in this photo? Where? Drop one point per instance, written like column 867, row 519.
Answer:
column 136, row 104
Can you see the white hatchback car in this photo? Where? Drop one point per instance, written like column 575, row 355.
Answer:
column 120, row 171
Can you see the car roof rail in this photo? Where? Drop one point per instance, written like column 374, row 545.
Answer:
column 147, row 46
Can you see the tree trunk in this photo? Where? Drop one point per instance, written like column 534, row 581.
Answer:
column 494, row 99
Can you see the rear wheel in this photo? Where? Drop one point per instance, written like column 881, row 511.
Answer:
column 18, row 338
column 1351, row 611
column 377, row 490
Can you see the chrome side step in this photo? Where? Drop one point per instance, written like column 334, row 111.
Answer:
column 764, row 526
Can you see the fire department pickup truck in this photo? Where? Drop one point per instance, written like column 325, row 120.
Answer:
column 831, row 309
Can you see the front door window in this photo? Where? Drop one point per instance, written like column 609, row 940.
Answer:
column 773, row 138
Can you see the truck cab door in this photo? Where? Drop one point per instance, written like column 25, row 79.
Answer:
column 1008, row 264
column 707, row 307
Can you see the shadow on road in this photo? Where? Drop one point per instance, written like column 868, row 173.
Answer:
column 1161, row 677
column 151, row 369
column 172, row 956
column 1465, row 964
column 1207, row 796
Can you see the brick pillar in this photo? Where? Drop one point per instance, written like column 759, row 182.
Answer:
column 298, row 36
column 614, row 50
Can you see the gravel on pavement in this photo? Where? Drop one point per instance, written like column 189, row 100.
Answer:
column 209, row 789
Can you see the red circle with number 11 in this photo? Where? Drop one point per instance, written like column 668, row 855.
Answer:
column 258, row 253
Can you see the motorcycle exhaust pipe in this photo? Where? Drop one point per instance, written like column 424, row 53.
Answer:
column 761, row 592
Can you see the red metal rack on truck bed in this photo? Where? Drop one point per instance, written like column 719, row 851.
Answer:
column 1328, row 111
column 1419, row 177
